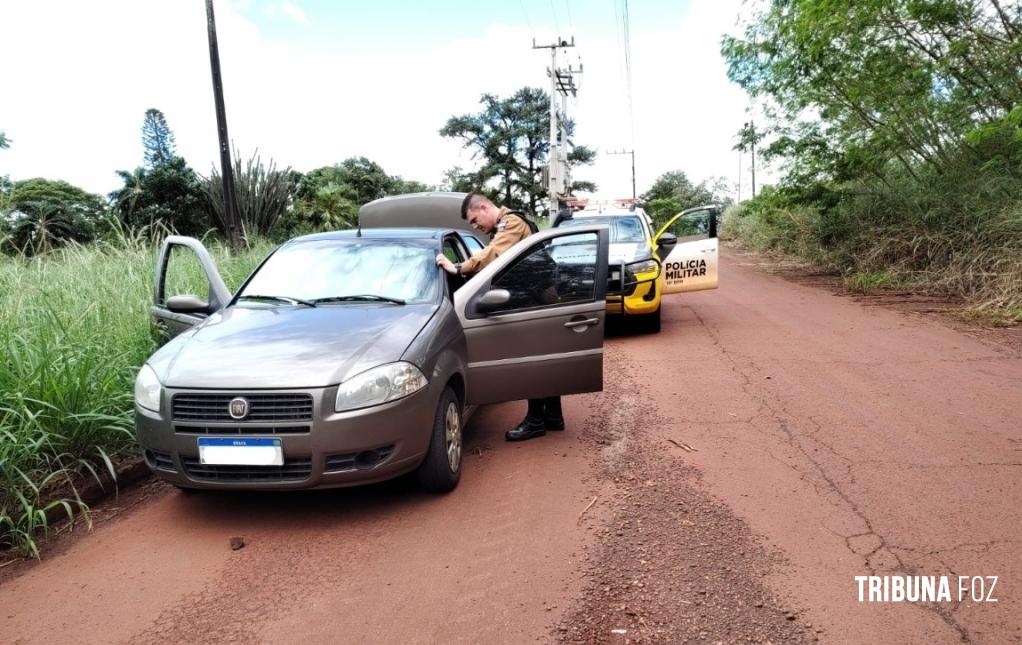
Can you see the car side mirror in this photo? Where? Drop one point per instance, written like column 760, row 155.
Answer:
column 492, row 299
column 665, row 243
column 187, row 304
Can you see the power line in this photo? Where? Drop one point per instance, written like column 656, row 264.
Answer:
column 525, row 13
column 556, row 22
column 628, row 72
column 571, row 23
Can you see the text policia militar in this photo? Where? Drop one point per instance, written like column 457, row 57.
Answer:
column 926, row 588
column 685, row 269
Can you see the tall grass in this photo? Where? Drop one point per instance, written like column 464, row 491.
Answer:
column 74, row 329
column 957, row 234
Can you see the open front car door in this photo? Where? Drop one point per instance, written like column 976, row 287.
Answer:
column 688, row 248
column 534, row 318
column 188, row 286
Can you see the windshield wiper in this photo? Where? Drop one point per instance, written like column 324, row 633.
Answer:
column 287, row 299
column 366, row 297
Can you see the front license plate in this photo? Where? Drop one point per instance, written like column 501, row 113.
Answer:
column 240, row 451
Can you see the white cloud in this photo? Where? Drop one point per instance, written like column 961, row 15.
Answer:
column 295, row 13
column 80, row 76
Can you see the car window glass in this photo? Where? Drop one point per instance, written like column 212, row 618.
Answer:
column 185, row 275
column 557, row 271
column 472, row 243
column 450, row 252
column 692, row 226
column 627, row 228
column 348, row 267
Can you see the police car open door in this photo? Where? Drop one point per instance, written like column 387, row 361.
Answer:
column 687, row 246
column 534, row 318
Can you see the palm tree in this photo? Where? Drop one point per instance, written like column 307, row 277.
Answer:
column 36, row 227
column 126, row 198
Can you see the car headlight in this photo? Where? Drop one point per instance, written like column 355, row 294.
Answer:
column 379, row 385
column 148, row 389
column 644, row 266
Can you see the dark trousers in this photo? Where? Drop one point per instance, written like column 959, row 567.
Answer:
column 548, row 409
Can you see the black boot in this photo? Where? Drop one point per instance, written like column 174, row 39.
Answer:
column 527, row 429
column 552, row 416
column 532, row 426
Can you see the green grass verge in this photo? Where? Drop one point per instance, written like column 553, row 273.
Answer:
column 74, row 329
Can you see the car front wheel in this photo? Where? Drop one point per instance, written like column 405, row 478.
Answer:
column 649, row 323
column 441, row 469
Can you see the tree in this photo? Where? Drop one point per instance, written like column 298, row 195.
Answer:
column 43, row 214
column 511, row 138
column 671, row 193
column 157, row 139
column 328, row 198
column 4, row 141
column 168, row 195
column 263, row 192
column 891, row 81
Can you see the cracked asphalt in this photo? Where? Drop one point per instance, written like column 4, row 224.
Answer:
column 739, row 470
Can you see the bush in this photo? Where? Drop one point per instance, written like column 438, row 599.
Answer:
column 956, row 233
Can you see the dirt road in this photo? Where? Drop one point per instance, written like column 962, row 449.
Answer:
column 740, row 469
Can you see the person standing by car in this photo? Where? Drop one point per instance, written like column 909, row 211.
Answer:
column 508, row 227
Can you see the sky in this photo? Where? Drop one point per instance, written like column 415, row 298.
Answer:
column 309, row 83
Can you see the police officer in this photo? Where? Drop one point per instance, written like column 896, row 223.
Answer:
column 507, row 227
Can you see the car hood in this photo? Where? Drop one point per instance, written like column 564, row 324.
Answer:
column 628, row 252
column 288, row 347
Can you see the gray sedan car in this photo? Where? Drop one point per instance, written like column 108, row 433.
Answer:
column 350, row 357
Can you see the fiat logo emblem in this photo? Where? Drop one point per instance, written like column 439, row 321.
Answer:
column 238, row 408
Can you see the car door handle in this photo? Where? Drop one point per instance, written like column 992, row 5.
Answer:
column 587, row 322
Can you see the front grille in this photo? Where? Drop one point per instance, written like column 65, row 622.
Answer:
column 357, row 460
column 249, row 430
column 160, row 461
column 262, row 407
column 292, row 470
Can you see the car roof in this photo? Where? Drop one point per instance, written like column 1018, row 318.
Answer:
column 608, row 212
column 434, row 209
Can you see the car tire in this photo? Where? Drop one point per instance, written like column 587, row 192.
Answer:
column 440, row 471
column 649, row 323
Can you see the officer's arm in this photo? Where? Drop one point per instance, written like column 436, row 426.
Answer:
column 513, row 232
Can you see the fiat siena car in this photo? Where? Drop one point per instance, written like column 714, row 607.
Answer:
column 350, row 357
column 644, row 266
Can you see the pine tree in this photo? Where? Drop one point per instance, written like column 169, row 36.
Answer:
column 157, row 139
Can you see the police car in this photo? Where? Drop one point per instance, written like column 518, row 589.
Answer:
column 681, row 256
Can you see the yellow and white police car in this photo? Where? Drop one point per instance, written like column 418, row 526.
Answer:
column 645, row 263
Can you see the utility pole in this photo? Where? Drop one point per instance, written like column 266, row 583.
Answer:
column 562, row 82
column 627, row 152
column 738, row 200
column 226, row 168
column 752, row 140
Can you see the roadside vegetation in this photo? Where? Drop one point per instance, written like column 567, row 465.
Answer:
column 75, row 328
column 898, row 125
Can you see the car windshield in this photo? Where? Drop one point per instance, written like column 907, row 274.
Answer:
column 626, row 228
column 345, row 271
